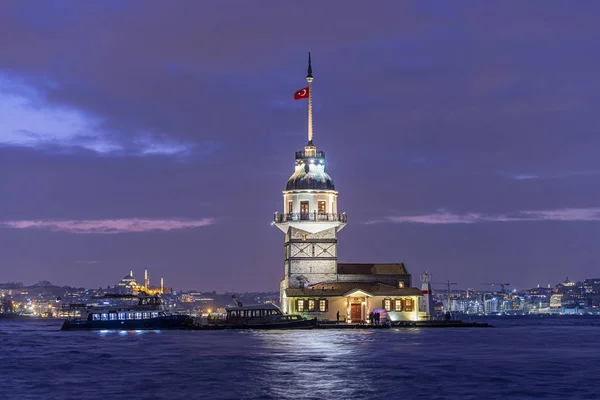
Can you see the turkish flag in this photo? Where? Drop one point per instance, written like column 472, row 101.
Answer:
column 301, row 94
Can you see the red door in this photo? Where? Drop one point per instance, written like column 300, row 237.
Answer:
column 355, row 312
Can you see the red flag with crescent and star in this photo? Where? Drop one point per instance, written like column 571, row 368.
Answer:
column 302, row 94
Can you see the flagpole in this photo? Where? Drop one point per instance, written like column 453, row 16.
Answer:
column 309, row 79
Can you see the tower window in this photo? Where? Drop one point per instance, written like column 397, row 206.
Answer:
column 304, row 210
column 401, row 284
column 321, row 208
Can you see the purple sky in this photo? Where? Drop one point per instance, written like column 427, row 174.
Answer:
column 462, row 137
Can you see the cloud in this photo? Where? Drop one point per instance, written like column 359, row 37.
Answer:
column 109, row 226
column 446, row 217
column 28, row 122
column 567, row 174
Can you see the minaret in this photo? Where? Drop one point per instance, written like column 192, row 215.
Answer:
column 162, row 285
column 310, row 219
column 146, row 279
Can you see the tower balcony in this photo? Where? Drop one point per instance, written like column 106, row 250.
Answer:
column 310, row 216
column 309, row 154
column 312, row 222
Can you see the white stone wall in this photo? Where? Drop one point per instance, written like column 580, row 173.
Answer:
column 314, row 271
column 313, row 197
column 312, row 250
column 310, row 258
column 326, row 234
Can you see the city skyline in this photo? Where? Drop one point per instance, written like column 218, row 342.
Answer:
column 462, row 139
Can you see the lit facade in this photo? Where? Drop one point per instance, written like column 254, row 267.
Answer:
column 314, row 283
column 128, row 285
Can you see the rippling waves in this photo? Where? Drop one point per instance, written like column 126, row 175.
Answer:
column 522, row 358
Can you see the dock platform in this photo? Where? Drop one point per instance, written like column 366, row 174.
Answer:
column 346, row 325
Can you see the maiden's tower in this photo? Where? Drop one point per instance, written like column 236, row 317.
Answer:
column 314, row 283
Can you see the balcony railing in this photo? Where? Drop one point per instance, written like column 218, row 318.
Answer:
column 311, row 216
column 303, row 154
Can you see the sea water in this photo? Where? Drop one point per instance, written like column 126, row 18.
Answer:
column 520, row 358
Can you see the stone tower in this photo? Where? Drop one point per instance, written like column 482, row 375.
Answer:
column 310, row 218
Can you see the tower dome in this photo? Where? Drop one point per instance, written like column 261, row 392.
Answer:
column 310, row 173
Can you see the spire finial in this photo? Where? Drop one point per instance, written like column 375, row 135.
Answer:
column 309, row 79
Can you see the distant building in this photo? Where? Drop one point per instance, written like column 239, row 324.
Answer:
column 128, row 285
column 556, row 301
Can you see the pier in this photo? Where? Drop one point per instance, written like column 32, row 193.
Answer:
column 346, row 325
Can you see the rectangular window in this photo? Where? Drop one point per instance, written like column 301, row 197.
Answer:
column 398, row 305
column 154, row 314
column 290, row 207
column 138, row 315
column 300, row 305
column 321, row 208
column 146, row 315
column 408, row 305
column 122, row 315
column 387, row 304
column 96, row 317
column 401, row 284
column 112, row 316
column 311, row 305
column 304, row 210
column 322, row 305
column 104, row 317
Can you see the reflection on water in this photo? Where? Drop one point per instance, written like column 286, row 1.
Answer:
column 520, row 358
column 326, row 363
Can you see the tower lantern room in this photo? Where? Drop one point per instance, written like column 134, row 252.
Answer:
column 310, row 194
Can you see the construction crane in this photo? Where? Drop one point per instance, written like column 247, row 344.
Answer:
column 447, row 284
column 503, row 286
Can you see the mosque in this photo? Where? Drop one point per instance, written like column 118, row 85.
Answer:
column 314, row 283
column 128, row 285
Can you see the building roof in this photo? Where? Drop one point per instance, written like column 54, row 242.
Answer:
column 345, row 288
column 266, row 306
column 372, row 269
